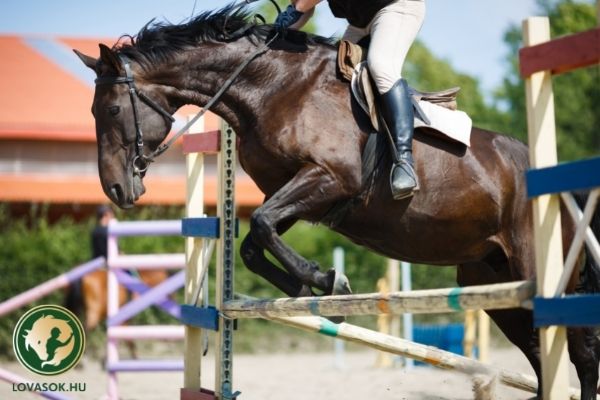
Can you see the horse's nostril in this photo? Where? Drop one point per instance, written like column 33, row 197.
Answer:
column 117, row 193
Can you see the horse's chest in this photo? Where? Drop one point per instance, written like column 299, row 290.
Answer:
column 268, row 169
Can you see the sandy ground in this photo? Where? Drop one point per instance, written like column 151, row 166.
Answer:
column 295, row 377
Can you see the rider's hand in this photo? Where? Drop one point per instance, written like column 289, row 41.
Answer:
column 287, row 18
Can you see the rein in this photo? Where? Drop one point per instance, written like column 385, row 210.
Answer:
column 141, row 162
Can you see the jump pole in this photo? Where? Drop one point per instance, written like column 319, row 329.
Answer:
column 431, row 355
column 489, row 297
column 50, row 286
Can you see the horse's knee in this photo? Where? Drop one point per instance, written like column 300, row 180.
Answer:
column 261, row 228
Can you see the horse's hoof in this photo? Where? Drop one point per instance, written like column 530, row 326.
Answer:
column 337, row 320
column 341, row 284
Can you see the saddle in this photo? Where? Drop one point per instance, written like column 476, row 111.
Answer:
column 352, row 67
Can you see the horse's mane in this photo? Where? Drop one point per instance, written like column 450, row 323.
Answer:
column 159, row 41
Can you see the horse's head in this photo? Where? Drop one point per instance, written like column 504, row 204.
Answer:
column 131, row 122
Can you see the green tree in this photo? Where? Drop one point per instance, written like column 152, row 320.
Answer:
column 428, row 72
column 576, row 94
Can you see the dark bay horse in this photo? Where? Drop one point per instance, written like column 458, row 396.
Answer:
column 301, row 143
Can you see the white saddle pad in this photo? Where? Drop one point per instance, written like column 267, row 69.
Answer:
column 456, row 125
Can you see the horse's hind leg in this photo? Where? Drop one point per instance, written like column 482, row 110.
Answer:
column 309, row 195
column 516, row 324
column 584, row 352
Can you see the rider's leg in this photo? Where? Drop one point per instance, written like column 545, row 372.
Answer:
column 397, row 111
column 393, row 31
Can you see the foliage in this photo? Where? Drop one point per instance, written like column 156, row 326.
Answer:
column 31, row 254
column 576, row 94
column 34, row 251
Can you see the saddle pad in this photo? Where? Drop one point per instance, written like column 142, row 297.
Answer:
column 442, row 122
column 455, row 125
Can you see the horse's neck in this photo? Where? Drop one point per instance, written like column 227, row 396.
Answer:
column 202, row 76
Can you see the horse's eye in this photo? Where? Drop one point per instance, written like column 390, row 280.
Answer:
column 114, row 110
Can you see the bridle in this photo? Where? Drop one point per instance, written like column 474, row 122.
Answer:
column 141, row 162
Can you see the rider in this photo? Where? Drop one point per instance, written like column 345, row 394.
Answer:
column 393, row 26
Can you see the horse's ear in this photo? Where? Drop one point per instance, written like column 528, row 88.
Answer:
column 89, row 62
column 109, row 58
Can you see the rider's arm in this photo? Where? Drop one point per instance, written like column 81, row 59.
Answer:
column 305, row 5
column 303, row 19
column 296, row 14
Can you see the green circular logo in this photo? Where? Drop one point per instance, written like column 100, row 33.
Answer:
column 48, row 340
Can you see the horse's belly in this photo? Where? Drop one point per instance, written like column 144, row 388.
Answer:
column 421, row 238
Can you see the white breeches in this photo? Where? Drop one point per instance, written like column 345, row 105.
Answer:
column 393, row 30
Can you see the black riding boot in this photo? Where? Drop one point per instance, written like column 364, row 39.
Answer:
column 397, row 111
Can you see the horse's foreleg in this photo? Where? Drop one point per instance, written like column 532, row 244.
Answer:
column 254, row 258
column 309, row 195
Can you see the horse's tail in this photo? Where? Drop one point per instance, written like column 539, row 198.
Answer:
column 589, row 281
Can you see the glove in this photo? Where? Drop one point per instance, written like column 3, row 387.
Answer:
column 287, row 18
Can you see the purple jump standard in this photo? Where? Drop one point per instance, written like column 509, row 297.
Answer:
column 145, row 228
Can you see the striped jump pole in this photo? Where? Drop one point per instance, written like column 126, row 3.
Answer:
column 488, row 297
column 431, row 355
column 50, row 286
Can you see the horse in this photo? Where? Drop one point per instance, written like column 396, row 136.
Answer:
column 301, row 139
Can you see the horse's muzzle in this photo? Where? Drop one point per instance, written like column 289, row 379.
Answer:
column 127, row 193
column 117, row 196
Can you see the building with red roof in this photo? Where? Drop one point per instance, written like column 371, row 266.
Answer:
column 47, row 135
